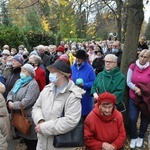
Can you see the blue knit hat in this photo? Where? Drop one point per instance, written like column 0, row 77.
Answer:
column 19, row 58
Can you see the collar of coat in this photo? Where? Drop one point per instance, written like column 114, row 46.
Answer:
column 71, row 87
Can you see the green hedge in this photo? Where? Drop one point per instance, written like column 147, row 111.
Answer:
column 14, row 36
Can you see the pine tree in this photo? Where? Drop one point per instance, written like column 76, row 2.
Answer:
column 4, row 13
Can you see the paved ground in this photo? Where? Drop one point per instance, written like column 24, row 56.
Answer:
column 12, row 144
column 15, row 145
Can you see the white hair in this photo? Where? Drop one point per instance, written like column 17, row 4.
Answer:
column 42, row 47
column 112, row 56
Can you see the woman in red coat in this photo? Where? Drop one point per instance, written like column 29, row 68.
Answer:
column 104, row 126
column 40, row 75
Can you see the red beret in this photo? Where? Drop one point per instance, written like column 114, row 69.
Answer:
column 106, row 97
column 60, row 49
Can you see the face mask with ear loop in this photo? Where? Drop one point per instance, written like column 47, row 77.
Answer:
column 59, row 53
column 115, row 50
column 23, row 76
column 53, row 77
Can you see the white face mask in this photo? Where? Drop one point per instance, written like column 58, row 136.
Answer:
column 59, row 53
column 53, row 78
column 73, row 51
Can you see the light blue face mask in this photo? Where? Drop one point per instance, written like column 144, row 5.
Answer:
column 53, row 77
column 8, row 63
column 115, row 50
column 21, row 52
column 23, row 76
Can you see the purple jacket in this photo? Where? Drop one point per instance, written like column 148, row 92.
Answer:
column 143, row 101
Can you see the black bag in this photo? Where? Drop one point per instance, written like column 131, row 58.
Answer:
column 73, row 138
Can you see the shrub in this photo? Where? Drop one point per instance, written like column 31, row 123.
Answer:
column 14, row 36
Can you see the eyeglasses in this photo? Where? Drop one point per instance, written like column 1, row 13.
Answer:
column 143, row 56
column 109, row 62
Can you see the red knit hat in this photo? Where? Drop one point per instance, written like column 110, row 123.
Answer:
column 60, row 49
column 106, row 97
column 65, row 58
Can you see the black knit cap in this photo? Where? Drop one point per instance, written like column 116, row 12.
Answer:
column 61, row 66
column 81, row 54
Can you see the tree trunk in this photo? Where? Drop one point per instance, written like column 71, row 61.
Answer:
column 134, row 23
column 124, row 22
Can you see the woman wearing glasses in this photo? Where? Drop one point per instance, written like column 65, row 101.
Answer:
column 138, row 80
column 109, row 80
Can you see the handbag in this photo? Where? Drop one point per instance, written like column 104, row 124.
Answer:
column 20, row 121
column 73, row 138
column 121, row 107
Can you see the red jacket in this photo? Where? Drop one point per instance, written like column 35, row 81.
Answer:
column 99, row 128
column 40, row 77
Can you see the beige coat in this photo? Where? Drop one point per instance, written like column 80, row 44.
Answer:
column 4, row 121
column 49, row 107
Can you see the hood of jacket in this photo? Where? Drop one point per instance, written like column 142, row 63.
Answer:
column 113, row 72
column 104, row 118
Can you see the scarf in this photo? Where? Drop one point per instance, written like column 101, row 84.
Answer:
column 20, row 83
column 108, row 118
column 142, row 66
column 103, row 117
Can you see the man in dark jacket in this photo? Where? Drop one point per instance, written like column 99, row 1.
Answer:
column 116, row 50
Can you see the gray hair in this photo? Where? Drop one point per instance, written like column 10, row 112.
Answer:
column 112, row 56
column 37, row 59
column 42, row 47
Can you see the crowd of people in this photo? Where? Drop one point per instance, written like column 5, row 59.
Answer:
column 80, row 80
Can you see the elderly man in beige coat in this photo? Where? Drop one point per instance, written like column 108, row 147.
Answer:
column 4, row 121
column 61, row 94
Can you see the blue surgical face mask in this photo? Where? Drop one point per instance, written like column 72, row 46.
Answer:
column 53, row 77
column 115, row 50
column 23, row 76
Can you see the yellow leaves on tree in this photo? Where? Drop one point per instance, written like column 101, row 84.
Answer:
column 63, row 2
column 45, row 24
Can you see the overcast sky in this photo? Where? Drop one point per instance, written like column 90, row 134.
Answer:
column 147, row 12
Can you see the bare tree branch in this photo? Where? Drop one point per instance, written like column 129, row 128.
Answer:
column 110, row 7
column 19, row 7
